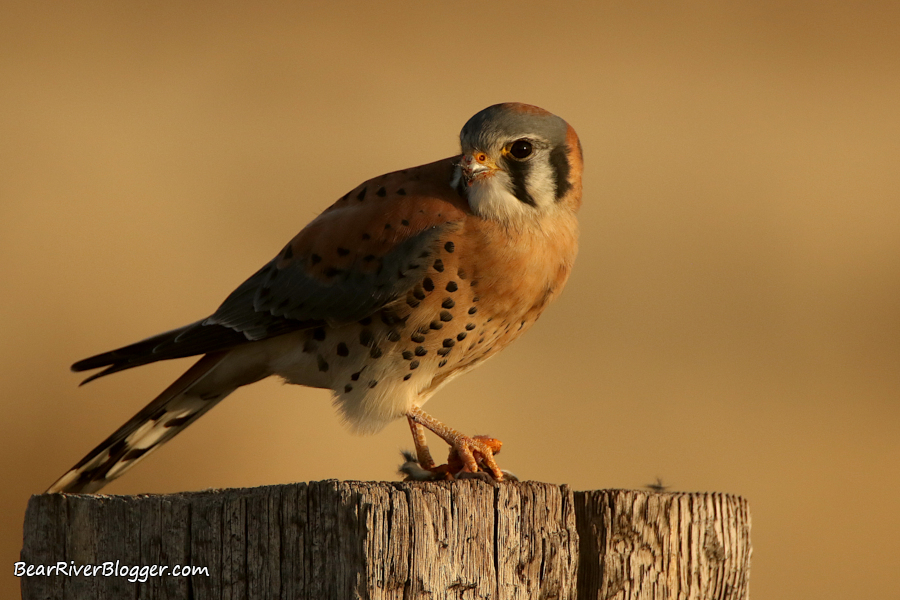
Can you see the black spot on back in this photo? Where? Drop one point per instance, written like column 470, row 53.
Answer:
column 343, row 252
column 428, row 284
column 452, row 286
column 361, row 195
column 449, row 247
column 448, row 303
column 381, row 192
column 439, row 266
column 315, row 259
column 288, row 252
column 401, row 192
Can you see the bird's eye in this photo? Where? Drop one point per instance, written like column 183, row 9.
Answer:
column 521, row 149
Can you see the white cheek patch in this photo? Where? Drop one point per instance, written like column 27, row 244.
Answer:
column 492, row 198
column 541, row 182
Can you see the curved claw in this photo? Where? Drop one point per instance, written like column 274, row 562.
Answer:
column 467, row 454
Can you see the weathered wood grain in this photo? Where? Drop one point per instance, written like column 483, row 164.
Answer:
column 382, row 540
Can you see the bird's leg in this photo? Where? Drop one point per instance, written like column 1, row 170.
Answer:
column 465, row 446
column 422, row 452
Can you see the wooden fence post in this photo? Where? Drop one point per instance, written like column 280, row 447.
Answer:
column 382, row 540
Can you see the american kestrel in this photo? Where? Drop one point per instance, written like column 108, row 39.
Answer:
column 407, row 281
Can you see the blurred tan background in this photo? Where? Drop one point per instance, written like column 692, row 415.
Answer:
column 732, row 324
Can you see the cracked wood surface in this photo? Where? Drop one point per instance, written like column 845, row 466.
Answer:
column 384, row 540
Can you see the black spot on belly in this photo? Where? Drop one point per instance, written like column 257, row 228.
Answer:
column 451, row 286
column 355, row 376
column 375, row 352
column 413, row 365
column 373, row 383
column 470, row 326
column 439, row 266
column 436, row 325
column 393, row 335
column 442, row 363
column 428, row 284
column 473, row 310
column 417, row 337
column 343, row 350
column 446, row 316
column 449, row 343
column 421, row 351
column 348, row 388
column 322, row 364
column 418, row 292
column 406, row 377
column 366, row 338
column 407, row 354
column 319, row 334
column 461, row 336
column 448, row 303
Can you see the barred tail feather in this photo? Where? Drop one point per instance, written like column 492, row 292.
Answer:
column 172, row 411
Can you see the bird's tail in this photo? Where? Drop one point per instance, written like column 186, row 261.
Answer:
column 183, row 402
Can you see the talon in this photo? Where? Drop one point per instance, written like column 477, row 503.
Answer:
column 467, row 454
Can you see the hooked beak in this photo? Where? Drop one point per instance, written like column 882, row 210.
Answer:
column 477, row 166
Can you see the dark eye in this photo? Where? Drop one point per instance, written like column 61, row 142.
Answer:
column 521, row 149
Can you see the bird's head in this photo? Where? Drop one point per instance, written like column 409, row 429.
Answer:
column 519, row 163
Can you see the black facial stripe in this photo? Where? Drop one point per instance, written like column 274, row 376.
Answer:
column 559, row 161
column 518, row 171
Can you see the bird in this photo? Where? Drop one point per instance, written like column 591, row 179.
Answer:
column 407, row 281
